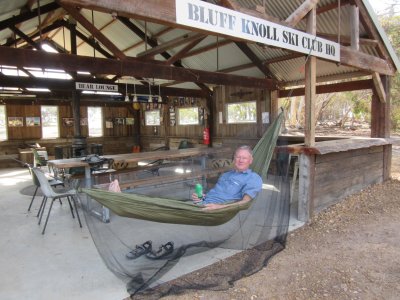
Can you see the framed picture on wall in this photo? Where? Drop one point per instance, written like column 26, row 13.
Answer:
column 15, row 121
column 68, row 122
column 84, row 121
column 32, row 121
column 119, row 121
column 129, row 121
column 109, row 123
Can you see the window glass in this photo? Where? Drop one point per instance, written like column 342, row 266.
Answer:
column 3, row 127
column 95, row 121
column 241, row 112
column 188, row 116
column 50, row 128
column 152, row 117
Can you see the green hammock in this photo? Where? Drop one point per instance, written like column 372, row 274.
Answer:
column 179, row 212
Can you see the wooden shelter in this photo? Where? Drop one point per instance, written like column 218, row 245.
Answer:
column 204, row 54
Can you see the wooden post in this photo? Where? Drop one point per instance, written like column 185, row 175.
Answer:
column 380, row 111
column 306, row 187
column 274, row 104
column 354, row 28
column 310, row 80
column 380, row 123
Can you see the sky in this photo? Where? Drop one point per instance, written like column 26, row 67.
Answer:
column 380, row 5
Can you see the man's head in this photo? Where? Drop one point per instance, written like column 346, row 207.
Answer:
column 243, row 158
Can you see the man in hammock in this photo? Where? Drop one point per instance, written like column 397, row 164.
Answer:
column 234, row 187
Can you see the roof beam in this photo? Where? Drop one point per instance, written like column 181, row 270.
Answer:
column 94, row 31
column 28, row 15
column 183, row 51
column 300, row 12
column 131, row 67
column 153, row 43
column 186, row 38
column 25, row 37
column 380, row 90
column 254, row 59
column 330, row 88
column 65, row 85
column 331, row 6
column 150, row 10
column 208, row 48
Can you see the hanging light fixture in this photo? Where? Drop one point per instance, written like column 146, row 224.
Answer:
column 126, row 93
column 159, row 94
column 134, row 95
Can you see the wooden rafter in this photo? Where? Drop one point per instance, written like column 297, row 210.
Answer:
column 300, row 12
column 65, row 85
column 185, row 50
column 112, row 21
column 152, row 41
column 94, row 31
column 186, row 38
column 330, row 88
column 380, row 90
column 25, row 37
column 207, row 48
column 370, row 28
column 346, row 40
column 233, row 4
column 131, row 67
column 28, row 15
column 331, row 6
column 254, row 59
column 141, row 10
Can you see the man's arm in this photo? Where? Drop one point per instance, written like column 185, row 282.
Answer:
column 212, row 206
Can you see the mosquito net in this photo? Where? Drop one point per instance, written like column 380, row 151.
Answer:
column 156, row 258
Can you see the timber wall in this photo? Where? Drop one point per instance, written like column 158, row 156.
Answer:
column 341, row 174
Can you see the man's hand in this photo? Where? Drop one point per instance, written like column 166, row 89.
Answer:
column 212, row 206
column 196, row 199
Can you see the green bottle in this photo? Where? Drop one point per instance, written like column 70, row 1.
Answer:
column 199, row 190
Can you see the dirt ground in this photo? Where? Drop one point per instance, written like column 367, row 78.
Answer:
column 349, row 251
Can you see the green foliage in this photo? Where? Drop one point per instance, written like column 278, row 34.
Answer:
column 391, row 25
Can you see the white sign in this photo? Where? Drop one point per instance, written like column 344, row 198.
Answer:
column 211, row 17
column 96, row 87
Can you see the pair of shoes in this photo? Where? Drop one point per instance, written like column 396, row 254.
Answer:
column 140, row 250
column 163, row 251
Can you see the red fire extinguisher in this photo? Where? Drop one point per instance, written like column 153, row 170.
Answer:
column 206, row 136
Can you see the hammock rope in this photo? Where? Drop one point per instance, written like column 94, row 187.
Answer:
column 173, row 211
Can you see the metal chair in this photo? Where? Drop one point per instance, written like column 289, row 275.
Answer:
column 53, row 182
column 49, row 192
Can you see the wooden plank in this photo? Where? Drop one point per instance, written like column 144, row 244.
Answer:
column 301, row 12
column 354, row 153
column 362, row 61
column 379, row 89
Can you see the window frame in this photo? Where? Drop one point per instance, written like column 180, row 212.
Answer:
column 3, row 107
column 146, row 112
column 101, row 121
column 238, row 103
column 187, row 124
column 57, row 122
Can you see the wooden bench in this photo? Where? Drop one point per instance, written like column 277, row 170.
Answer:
column 156, row 180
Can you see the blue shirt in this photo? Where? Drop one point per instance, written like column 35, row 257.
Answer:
column 233, row 185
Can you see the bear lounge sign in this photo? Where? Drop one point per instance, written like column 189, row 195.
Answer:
column 219, row 19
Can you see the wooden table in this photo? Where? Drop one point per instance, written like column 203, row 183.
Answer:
column 135, row 158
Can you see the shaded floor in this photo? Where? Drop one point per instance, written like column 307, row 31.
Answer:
column 62, row 264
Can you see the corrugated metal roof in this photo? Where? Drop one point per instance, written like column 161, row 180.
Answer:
column 227, row 56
